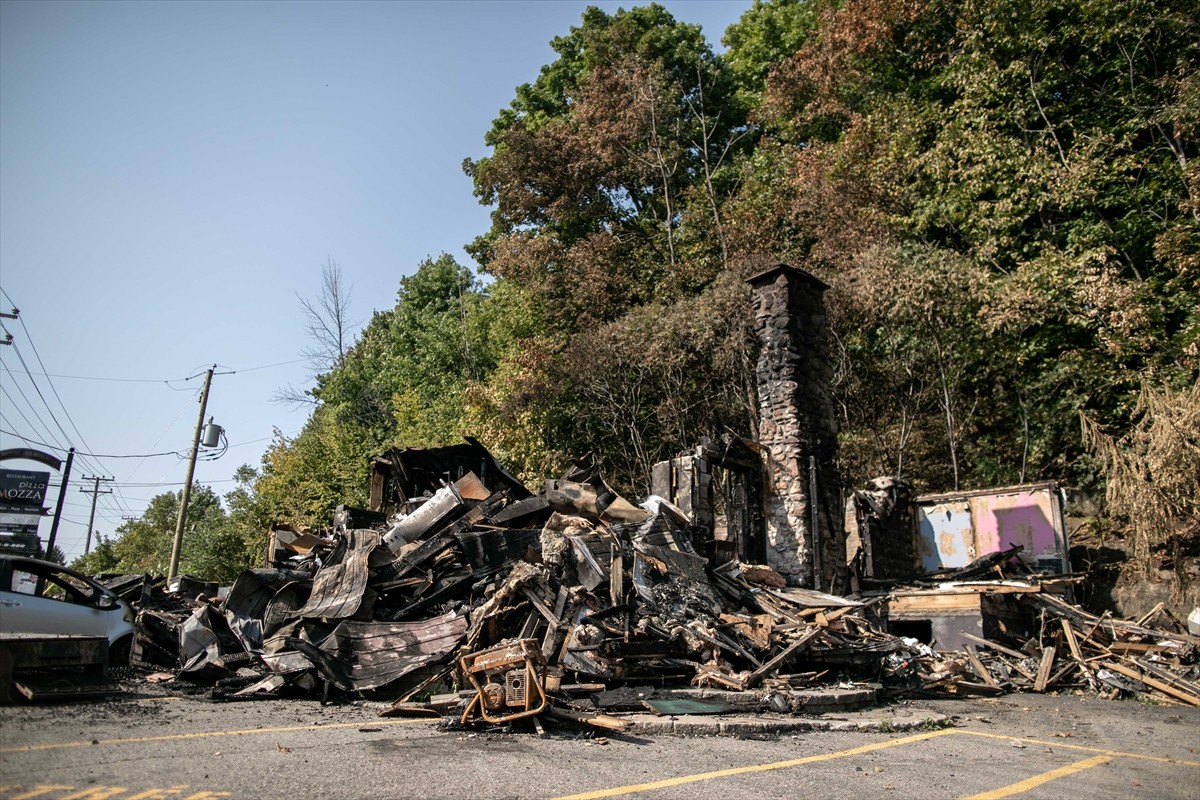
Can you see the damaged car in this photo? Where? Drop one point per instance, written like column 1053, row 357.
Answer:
column 45, row 598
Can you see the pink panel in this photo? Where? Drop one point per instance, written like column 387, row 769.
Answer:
column 1024, row 518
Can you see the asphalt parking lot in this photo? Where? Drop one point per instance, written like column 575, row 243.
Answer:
column 144, row 747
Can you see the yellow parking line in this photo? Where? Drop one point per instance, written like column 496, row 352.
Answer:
column 208, row 734
column 1081, row 748
column 1038, row 780
column 1103, row 756
column 724, row 773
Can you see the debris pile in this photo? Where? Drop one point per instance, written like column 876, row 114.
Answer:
column 1077, row 650
column 574, row 602
column 512, row 595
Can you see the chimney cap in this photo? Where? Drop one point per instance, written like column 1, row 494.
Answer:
column 767, row 275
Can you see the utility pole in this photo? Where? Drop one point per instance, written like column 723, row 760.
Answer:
column 95, row 492
column 62, row 495
column 187, row 484
column 16, row 313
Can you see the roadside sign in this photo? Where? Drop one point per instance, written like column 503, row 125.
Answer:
column 24, row 488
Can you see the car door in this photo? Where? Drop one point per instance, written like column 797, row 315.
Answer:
column 39, row 598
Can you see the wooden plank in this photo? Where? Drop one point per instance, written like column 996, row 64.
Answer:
column 945, row 601
column 1153, row 683
column 550, row 642
column 560, row 602
column 616, row 576
column 773, row 608
column 837, row 614
column 1182, row 684
column 1091, row 631
column 1151, row 614
column 1043, row 675
column 1073, row 645
column 529, row 627
column 967, row 687
column 979, row 668
column 541, row 606
column 777, row 661
column 727, row 644
column 1056, row 677
column 587, row 718
column 999, row 648
column 582, row 688
column 1137, row 647
column 566, row 642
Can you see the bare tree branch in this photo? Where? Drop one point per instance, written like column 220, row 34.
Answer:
column 329, row 331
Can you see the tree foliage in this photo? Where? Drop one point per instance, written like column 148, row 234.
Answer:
column 217, row 544
column 603, row 166
column 1153, row 468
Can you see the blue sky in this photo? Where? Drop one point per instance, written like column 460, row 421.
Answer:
column 173, row 175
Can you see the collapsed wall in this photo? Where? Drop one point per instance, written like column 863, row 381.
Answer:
column 804, row 536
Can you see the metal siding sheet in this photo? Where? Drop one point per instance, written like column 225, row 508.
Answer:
column 367, row 655
column 338, row 589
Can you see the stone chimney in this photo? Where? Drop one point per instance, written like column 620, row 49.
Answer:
column 805, row 540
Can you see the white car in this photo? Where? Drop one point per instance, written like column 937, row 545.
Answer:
column 40, row 597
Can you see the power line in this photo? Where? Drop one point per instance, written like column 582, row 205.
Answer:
column 50, row 410
column 123, row 504
column 266, row 366
column 42, row 364
column 22, row 413
column 38, row 389
column 88, row 458
column 129, row 485
column 32, row 410
column 89, row 505
column 167, row 381
column 93, row 455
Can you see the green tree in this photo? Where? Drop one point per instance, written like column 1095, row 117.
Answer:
column 404, row 384
column 597, row 165
column 55, row 555
column 763, row 38
column 1050, row 152
column 212, row 550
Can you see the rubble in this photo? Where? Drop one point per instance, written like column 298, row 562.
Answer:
column 575, row 605
column 1078, row 650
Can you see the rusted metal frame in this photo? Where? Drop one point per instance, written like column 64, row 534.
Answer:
column 471, row 668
